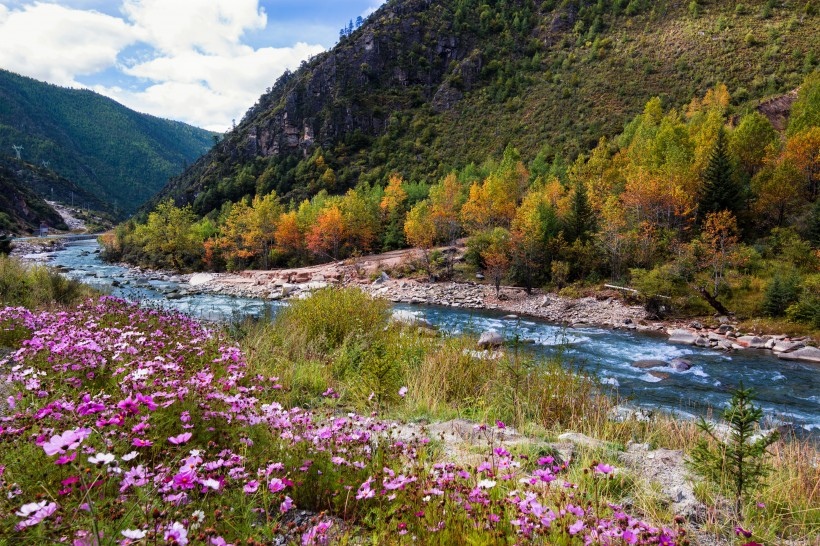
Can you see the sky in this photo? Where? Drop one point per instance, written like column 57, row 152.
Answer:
column 204, row 62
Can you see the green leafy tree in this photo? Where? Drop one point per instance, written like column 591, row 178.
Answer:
column 814, row 225
column 736, row 463
column 720, row 190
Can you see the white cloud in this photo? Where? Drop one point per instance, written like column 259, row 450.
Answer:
column 209, row 90
column 211, row 26
column 199, row 71
column 56, row 44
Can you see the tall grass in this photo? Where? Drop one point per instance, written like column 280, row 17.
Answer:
column 34, row 286
column 339, row 349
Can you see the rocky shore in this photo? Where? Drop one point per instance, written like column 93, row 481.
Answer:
column 605, row 309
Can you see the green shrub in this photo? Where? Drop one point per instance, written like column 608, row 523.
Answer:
column 331, row 317
column 36, row 286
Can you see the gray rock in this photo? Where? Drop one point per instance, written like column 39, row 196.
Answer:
column 667, row 468
column 701, row 342
column 725, row 328
column 787, row 346
column 644, row 364
column 479, row 276
column 806, row 354
column 582, row 439
column 682, row 336
column 751, row 342
column 289, row 289
column 381, row 279
column 680, row 364
column 697, row 325
column 490, row 338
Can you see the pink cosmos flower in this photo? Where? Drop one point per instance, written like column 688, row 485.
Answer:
column 275, row 485
column 603, row 468
column 181, row 439
column 65, row 459
column 177, row 533
column 34, row 513
column 402, row 391
column 576, row 527
column 500, row 425
column 67, row 441
column 139, row 442
column 251, row 487
column 286, row 505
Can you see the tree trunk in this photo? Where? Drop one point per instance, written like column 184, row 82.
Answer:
column 711, row 300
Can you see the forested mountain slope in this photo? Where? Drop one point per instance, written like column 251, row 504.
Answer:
column 119, row 155
column 22, row 210
column 425, row 87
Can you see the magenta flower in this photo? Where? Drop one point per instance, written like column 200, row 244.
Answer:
column 65, row 459
column 177, row 533
column 286, row 505
column 181, row 439
column 500, row 425
column 275, row 485
column 741, row 531
column 603, row 468
column 67, row 441
column 251, row 487
column 576, row 527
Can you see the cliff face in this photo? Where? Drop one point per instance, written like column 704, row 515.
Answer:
column 426, row 86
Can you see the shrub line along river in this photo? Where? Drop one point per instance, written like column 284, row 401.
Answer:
column 788, row 391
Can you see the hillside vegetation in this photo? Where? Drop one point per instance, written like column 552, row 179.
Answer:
column 423, row 88
column 22, row 210
column 119, row 155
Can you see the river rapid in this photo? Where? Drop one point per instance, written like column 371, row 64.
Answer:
column 789, row 392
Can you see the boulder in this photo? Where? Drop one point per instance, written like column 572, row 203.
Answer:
column 697, row 325
column 479, row 276
column 787, row 346
column 582, row 439
column 289, row 289
column 751, row 342
column 701, row 341
column 680, row 364
column 200, row 278
column 682, row 336
column 806, row 354
column 381, row 279
column 659, row 375
column 490, row 338
column 725, row 328
column 643, row 364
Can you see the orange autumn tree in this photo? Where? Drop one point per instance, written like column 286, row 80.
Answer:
column 716, row 253
column 360, row 219
column 496, row 257
column 803, row 150
column 327, row 236
column 290, row 240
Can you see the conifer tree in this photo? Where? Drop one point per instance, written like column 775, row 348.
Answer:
column 738, row 462
column 720, row 190
column 581, row 221
column 814, row 225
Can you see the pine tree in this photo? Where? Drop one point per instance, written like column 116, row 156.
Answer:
column 581, row 221
column 738, row 462
column 814, row 225
column 720, row 190
column 780, row 293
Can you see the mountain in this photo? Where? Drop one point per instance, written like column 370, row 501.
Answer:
column 22, row 210
column 425, row 87
column 119, row 155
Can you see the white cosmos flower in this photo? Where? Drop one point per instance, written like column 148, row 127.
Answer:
column 486, row 484
column 129, row 456
column 133, row 534
column 104, row 458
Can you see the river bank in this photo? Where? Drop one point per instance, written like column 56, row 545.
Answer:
column 605, row 309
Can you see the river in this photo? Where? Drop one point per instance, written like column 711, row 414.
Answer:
column 789, row 392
